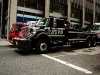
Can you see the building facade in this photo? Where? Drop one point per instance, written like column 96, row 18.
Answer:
column 81, row 12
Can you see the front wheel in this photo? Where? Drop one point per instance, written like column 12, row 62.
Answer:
column 42, row 46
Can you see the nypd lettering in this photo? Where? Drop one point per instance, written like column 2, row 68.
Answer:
column 56, row 32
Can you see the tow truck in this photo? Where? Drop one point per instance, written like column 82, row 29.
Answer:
column 51, row 32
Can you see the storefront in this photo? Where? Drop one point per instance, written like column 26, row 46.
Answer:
column 30, row 10
column 4, row 18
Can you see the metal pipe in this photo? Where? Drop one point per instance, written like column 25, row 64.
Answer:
column 8, row 22
column 1, row 18
column 94, row 11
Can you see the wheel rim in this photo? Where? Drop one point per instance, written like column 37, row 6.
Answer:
column 43, row 46
column 94, row 42
column 89, row 43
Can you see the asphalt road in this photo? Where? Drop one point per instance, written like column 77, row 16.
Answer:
column 58, row 61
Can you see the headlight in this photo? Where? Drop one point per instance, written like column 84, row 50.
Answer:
column 32, row 34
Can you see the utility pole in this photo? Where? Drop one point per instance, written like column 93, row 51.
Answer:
column 1, row 19
column 94, row 11
column 8, row 18
column 23, row 12
column 83, row 13
column 69, row 10
column 47, row 6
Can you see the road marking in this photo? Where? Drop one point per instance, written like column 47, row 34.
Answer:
column 68, row 64
column 60, row 55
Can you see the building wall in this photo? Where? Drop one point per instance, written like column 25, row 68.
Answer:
column 58, row 8
column 89, row 9
column 47, row 7
column 81, row 12
column 11, row 18
column 12, row 11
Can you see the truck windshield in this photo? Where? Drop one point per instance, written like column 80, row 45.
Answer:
column 42, row 22
column 95, row 27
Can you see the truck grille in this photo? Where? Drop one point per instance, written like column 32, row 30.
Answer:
column 25, row 32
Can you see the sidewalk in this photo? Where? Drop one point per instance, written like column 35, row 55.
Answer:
column 4, row 42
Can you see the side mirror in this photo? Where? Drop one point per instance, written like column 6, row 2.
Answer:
column 55, row 25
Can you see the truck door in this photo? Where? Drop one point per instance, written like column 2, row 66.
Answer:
column 57, row 30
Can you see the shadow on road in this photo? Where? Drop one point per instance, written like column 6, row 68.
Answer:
column 68, row 49
column 26, row 52
column 4, row 45
column 11, row 46
column 52, row 50
column 65, row 49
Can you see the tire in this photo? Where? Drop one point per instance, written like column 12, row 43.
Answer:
column 42, row 46
column 73, row 45
column 88, row 43
column 94, row 42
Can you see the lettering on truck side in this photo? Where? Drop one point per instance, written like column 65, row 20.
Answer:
column 56, row 31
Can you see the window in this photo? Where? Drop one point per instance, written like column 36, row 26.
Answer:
column 95, row 27
column 58, row 8
column 42, row 22
column 21, row 3
column 75, row 13
column 40, row 4
column 87, row 17
column 96, row 19
column 60, row 23
column 31, row 4
column 75, row 25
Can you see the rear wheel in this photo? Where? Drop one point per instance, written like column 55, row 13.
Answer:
column 88, row 43
column 94, row 42
column 42, row 46
column 73, row 45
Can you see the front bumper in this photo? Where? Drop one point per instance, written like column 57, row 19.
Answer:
column 23, row 44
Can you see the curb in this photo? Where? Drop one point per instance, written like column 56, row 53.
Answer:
column 4, row 42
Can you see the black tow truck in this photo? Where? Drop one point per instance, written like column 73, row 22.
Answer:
column 50, row 32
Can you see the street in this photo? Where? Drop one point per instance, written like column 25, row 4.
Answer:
column 58, row 61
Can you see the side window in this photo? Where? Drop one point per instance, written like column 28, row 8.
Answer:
column 42, row 22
